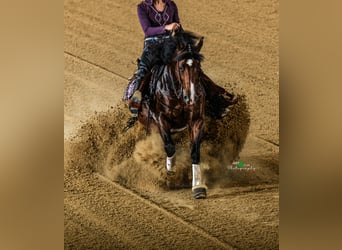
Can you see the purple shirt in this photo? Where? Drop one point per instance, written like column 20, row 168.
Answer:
column 152, row 21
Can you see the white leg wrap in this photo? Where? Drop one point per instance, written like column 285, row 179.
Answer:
column 169, row 163
column 196, row 175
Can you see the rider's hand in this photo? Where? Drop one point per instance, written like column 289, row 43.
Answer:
column 172, row 26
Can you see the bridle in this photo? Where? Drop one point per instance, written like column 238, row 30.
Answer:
column 186, row 54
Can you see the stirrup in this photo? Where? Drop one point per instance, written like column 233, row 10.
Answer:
column 137, row 96
column 134, row 111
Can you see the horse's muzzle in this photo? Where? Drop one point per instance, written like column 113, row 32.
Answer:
column 186, row 99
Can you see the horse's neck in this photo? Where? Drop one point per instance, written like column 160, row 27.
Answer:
column 173, row 84
column 167, row 81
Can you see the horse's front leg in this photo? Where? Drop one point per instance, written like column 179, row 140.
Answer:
column 169, row 145
column 198, row 187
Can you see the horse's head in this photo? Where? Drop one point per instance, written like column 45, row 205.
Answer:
column 187, row 65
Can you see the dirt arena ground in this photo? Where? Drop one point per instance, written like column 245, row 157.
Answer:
column 115, row 192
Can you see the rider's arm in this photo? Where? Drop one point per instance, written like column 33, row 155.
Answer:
column 176, row 16
column 146, row 24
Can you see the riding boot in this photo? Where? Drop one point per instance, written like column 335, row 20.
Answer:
column 145, row 64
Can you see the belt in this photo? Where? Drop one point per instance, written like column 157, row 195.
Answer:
column 156, row 38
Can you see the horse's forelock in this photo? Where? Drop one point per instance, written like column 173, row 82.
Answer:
column 186, row 36
column 189, row 55
column 180, row 41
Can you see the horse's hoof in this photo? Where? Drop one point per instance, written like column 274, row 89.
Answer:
column 170, row 173
column 224, row 112
column 200, row 192
column 233, row 101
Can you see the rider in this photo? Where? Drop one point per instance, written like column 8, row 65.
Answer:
column 158, row 19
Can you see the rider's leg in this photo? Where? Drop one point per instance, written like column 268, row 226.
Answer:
column 146, row 63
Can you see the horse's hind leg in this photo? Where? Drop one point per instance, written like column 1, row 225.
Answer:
column 199, row 189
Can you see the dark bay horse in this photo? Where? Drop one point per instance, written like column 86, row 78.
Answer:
column 177, row 101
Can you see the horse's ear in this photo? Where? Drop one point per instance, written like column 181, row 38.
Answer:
column 199, row 45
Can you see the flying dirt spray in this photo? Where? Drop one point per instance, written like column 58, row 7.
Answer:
column 137, row 160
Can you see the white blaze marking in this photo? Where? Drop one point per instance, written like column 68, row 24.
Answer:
column 192, row 91
column 192, row 86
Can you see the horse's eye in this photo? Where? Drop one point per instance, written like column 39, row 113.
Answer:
column 181, row 68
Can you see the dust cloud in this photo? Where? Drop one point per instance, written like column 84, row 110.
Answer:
column 137, row 160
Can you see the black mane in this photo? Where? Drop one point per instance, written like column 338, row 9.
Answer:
column 182, row 40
